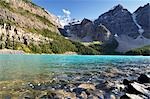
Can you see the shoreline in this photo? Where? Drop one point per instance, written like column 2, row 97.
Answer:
column 8, row 51
column 20, row 52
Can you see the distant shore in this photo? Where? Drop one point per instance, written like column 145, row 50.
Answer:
column 8, row 51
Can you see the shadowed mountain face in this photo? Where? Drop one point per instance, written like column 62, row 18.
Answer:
column 143, row 19
column 87, row 31
column 131, row 30
column 119, row 21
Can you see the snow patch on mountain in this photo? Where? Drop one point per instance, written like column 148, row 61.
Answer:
column 141, row 31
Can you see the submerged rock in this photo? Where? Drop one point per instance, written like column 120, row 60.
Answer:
column 84, row 95
column 27, row 95
column 87, row 86
column 78, row 91
column 130, row 96
column 49, row 96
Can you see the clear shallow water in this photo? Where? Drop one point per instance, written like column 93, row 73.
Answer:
column 30, row 66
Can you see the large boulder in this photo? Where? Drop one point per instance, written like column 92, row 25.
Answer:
column 136, row 88
column 144, row 79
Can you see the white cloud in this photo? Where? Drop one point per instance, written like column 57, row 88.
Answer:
column 66, row 12
column 65, row 18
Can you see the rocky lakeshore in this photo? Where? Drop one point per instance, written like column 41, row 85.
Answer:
column 126, row 82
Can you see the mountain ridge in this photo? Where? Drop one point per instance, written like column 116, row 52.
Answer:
column 127, row 28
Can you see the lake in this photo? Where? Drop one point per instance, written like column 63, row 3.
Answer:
column 26, row 67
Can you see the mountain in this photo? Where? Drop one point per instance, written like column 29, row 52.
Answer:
column 130, row 30
column 86, row 31
column 141, row 19
column 119, row 21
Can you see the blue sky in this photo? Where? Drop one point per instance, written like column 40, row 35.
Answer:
column 87, row 8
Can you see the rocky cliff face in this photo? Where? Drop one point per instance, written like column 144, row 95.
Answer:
column 29, row 6
column 22, row 24
column 11, row 35
column 27, row 15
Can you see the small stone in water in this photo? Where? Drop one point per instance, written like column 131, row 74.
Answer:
column 31, row 85
column 39, row 84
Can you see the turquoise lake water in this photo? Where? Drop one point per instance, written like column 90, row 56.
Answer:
column 28, row 66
